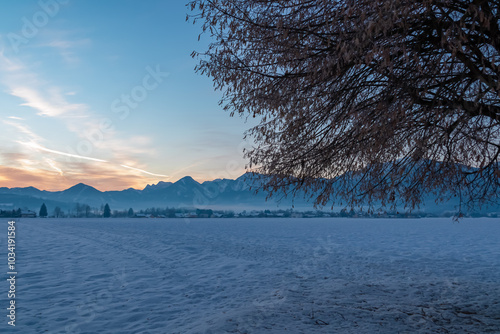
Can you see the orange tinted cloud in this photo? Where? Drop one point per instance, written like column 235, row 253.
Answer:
column 52, row 180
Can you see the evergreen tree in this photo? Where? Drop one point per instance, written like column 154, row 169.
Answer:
column 107, row 211
column 130, row 212
column 43, row 211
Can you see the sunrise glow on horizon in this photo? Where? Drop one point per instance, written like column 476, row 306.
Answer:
column 107, row 95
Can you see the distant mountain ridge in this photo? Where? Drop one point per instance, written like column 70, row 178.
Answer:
column 225, row 194
column 186, row 192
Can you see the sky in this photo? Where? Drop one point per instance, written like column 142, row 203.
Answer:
column 105, row 93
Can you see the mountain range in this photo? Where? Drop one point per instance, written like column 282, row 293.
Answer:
column 186, row 192
column 221, row 194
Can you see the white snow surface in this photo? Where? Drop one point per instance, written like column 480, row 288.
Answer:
column 255, row 276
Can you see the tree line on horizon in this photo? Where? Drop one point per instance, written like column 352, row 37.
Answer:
column 81, row 211
column 85, row 211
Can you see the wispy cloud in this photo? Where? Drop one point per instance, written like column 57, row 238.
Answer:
column 20, row 177
column 52, row 173
column 46, row 99
column 66, row 48
column 9, row 65
column 40, row 159
column 143, row 171
column 21, row 128
column 47, row 102
column 52, row 101
column 41, row 148
column 53, row 165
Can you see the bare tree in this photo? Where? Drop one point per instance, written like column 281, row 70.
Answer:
column 87, row 210
column 58, row 212
column 78, row 208
column 398, row 97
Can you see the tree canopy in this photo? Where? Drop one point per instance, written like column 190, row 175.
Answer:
column 400, row 97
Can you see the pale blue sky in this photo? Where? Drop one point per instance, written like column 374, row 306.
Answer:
column 80, row 101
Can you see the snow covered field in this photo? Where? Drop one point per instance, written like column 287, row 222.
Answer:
column 255, row 276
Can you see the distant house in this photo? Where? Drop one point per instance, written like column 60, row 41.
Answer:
column 28, row 214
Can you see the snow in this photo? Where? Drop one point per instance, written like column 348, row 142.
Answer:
column 255, row 276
